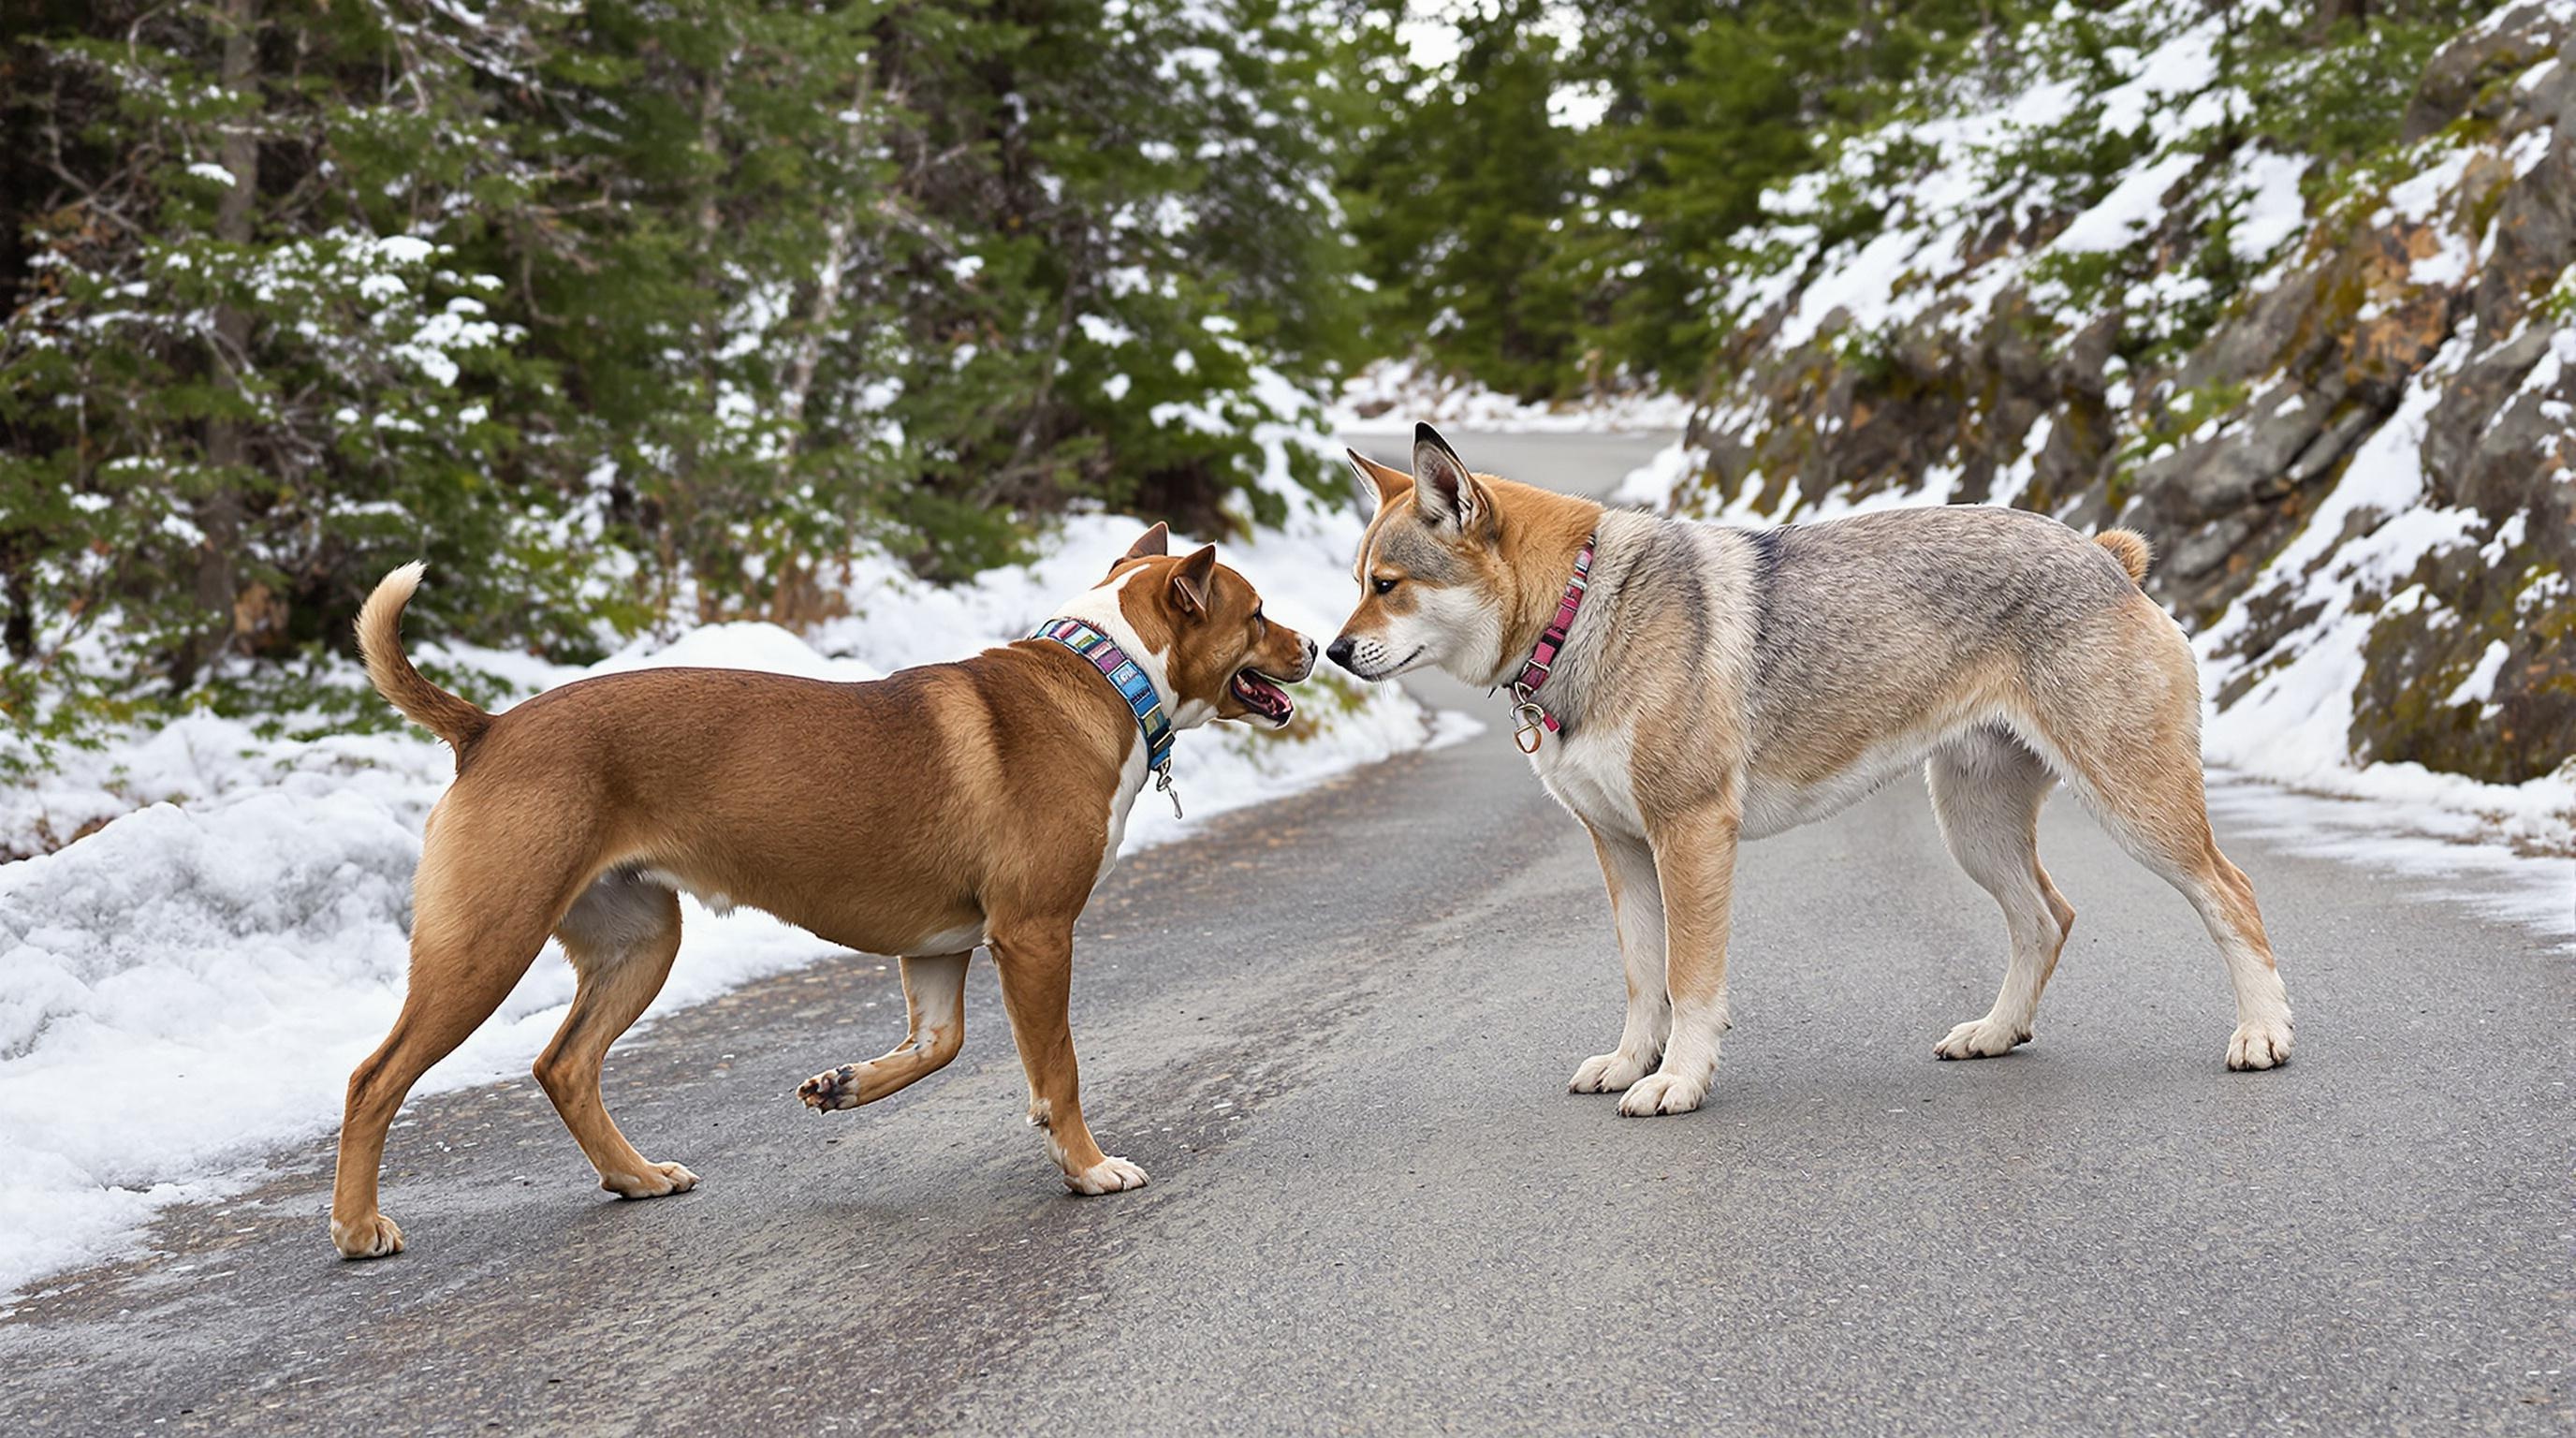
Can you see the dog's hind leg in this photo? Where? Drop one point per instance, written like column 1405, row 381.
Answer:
column 934, row 994
column 2125, row 723
column 1637, row 910
column 621, row 935
column 1987, row 790
column 471, row 939
column 2158, row 814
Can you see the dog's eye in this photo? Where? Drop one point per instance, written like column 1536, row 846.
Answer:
column 1383, row 586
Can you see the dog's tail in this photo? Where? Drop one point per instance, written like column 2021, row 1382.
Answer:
column 2131, row 549
column 380, row 640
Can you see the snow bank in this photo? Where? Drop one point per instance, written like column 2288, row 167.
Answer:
column 186, row 989
column 1391, row 396
column 2293, row 725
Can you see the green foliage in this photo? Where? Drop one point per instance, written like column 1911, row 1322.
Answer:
column 2338, row 91
column 1508, row 244
column 1708, row 110
column 2084, row 281
column 1546, row 259
column 2183, row 414
column 2070, row 163
column 1459, row 203
column 633, row 310
column 2557, row 304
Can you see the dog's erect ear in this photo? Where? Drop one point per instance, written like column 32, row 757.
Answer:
column 1442, row 488
column 1377, row 485
column 1190, row 582
column 1151, row 544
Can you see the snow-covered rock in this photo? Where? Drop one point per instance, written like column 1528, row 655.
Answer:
column 2336, row 397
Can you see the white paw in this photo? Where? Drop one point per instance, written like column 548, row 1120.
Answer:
column 656, row 1180
column 376, row 1237
column 1110, row 1175
column 1609, row 1073
column 1662, row 1093
column 2261, row 1044
column 1981, row 1039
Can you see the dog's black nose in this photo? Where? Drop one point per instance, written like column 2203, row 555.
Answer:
column 1340, row 652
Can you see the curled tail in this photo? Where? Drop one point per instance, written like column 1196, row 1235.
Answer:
column 380, row 640
column 2131, row 549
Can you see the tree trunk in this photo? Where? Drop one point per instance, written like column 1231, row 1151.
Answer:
column 828, row 282
column 2332, row 12
column 219, row 514
column 693, row 492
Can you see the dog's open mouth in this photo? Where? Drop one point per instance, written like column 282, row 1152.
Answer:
column 1262, row 695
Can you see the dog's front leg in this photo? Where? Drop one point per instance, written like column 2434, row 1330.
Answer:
column 1637, row 911
column 934, row 995
column 1036, row 964
column 1695, row 865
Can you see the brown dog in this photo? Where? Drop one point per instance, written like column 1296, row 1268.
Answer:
column 930, row 812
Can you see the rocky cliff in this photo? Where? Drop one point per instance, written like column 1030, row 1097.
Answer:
column 2144, row 286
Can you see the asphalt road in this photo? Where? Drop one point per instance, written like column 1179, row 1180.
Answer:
column 1337, row 1030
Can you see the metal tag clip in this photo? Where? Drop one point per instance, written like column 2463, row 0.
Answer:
column 1529, row 721
column 1163, row 782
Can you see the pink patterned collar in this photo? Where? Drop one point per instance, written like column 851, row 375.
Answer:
column 1529, row 718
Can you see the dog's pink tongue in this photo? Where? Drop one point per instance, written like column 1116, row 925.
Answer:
column 1270, row 697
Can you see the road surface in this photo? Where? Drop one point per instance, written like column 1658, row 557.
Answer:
column 1337, row 1030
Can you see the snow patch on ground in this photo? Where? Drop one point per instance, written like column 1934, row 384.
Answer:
column 2480, row 685
column 2130, row 210
column 2271, row 207
column 1392, row 396
column 186, row 989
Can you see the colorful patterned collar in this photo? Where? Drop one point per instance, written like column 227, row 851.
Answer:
column 1528, row 716
column 1133, row 685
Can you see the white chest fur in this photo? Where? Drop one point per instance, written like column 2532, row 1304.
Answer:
column 1588, row 774
column 1131, row 778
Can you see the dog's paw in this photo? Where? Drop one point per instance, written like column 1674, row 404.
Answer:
column 834, row 1089
column 2262, row 1044
column 372, row 1237
column 656, row 1180
column 1662, row 1093
column 1981, row 1039
column 1608, row 1073
column 1110, row 1175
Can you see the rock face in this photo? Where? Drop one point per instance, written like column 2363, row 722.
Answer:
column 2340, row 410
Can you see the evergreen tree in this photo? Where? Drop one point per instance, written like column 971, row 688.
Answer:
column 1460, row 204
column 1545, row 259
column 618, row 311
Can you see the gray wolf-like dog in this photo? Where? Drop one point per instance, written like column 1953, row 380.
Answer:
column 1718, row 683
